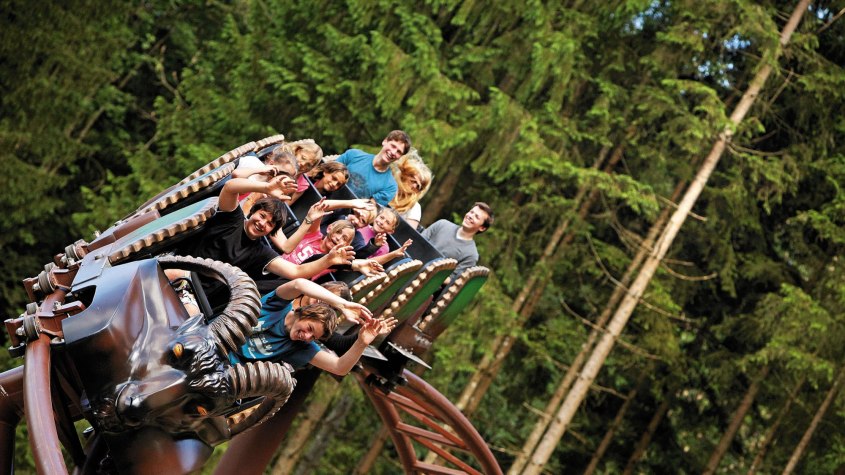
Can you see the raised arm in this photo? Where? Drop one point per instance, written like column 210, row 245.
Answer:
column 310, row 224
column 398, row 252
column 246, row 172
column 354, row 312
column 228, row 199
column 341, row 365
column 358, row 203
column 339, row 255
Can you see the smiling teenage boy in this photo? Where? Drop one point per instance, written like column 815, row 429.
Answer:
column 231, row 237
column 457, row 241
column 370, row 175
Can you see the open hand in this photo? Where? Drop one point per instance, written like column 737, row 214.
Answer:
column 267, row 171
column 368, row 267
column 317, row 211
column 404, row 247
column 280, row 187
column 289, row 185
column 356, row 313
column 381, row 326
column 361, row 203
column 341, row 254
column 380, row 239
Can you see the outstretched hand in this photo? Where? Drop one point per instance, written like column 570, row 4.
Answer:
column 317, row 211
column 380, row 239
column 281, row 187
column 361, row 203
column 268, row 171
column 404, row 247
column 368, row 267
column 356, row 313
column 341, row 254
column 381, row 326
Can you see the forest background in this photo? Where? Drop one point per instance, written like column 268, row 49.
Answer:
column 580, row 122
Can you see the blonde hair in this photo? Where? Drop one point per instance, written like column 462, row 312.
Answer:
column 339, row 225
column 369, row 214
column 410, row 165
column 308, row 154
column 280, row 156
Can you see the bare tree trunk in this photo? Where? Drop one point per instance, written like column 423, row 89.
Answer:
column 611, row 431
column 365, row 465
column 554, row 403
column 525, row 301
column 490, row 364
column 770, row 433
column 808, row 434
column 329, row 426
column 736, row 421
column 645, row 439
column 441, row 196
column 630, row 301
column 294, row 448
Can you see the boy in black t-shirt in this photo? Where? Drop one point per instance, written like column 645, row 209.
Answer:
column 229, row 236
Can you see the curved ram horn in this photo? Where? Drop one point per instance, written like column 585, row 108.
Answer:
column 260, row 378
column 231, row 326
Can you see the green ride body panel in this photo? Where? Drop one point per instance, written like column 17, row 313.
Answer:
column 457, row 305
column 421, row 295
column 387, row 294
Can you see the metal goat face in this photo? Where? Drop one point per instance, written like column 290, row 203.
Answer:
column 189, row 383
column 154, row 377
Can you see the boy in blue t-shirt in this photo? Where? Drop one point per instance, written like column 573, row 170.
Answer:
column 370, row 175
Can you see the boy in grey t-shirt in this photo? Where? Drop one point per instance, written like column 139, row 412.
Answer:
column 456, row 241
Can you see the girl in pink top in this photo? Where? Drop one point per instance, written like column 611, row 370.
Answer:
column 339, row 232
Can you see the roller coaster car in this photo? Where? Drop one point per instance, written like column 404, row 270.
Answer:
column 107, row 338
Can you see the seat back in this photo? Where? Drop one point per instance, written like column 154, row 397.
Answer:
column 188, row 192
column 420, row 249
column 308, row 198
column 362, row 286
column 227, row 157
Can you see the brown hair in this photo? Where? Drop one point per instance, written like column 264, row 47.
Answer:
column 402, row 137
column 275, row 207
column 320, row 312
column 339, row 288
column 327, row 168
column 487, row 209
column 406, row 167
